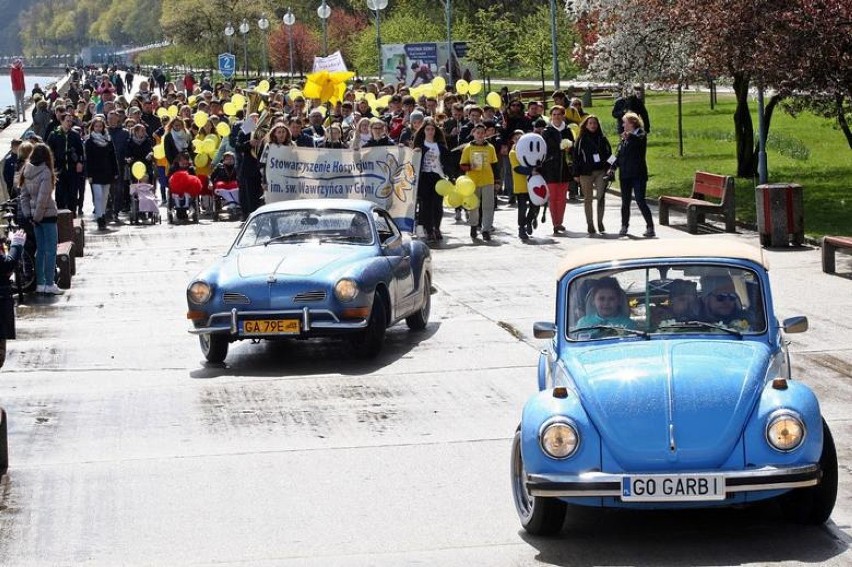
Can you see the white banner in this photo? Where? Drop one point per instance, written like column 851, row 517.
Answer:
column 333, row 62
column 385, row 175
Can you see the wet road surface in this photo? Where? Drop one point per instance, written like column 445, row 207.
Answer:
column 126, row 448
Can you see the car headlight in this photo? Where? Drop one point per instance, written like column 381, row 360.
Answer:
column 785, row 431
column 559, row 438
column 199, row 292
column 345, row 290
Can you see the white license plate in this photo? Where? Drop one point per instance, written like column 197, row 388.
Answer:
column 672, row 488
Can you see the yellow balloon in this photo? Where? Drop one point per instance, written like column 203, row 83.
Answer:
column 238, row 100
column 223, row 129
column 371, row 98
column 454, row 200
column 439, row 84
column 200, row 118
column 162, row 112
column 139, row 170
column 493, row 99
column 159, row 151
column 230, row 108
column 294, row 94
column 447, row 202
column 475, row 87
column 173, row 111
column 462, row 86
column 465, row 186
column 208, row 147
column 191, row 100
column 470, row 202
column 444, row 187
column 201, row 160
column 322, row 109
column 263, row 87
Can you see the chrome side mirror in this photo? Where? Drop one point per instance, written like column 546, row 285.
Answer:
column 544, row 330
column 795, row 324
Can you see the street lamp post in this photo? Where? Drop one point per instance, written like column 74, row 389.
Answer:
column 448, row 16
column 553, row 44
column 289, row 20
column 244, row 29
column 377, row 6
column 263, row 24
column 324, row 11
column 229, row 32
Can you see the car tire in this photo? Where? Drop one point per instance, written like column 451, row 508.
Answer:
column 539, row 516
column 4, row 443
column 418, row 320
column 213, row 347
column 369, row 342
column 813, row 505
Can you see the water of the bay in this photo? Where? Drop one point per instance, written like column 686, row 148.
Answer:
column 6, row 96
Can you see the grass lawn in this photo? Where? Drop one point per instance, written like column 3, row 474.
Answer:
column 807, row 150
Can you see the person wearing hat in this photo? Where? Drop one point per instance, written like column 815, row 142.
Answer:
column 19, row 88
column 721, row 303
column 683, row 302
column 315, row 128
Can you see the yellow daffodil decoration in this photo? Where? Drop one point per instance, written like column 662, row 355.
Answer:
column 327, row 86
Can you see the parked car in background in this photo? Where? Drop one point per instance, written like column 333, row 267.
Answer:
column 312, row 268
column 666, row 384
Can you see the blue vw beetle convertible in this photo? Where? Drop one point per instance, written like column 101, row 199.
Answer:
column 666, row 384
column 312, row 268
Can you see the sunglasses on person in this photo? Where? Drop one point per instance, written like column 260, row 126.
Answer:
column 725, row 296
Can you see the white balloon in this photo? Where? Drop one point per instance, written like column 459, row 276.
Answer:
column 537, row 188
column 531, row 149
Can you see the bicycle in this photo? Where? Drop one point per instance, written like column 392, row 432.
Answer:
column 24, row 275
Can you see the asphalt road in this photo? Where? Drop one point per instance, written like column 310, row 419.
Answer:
column 127, row 449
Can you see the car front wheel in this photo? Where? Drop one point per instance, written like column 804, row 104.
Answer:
column 368, row 343
column 418, row 320
column 213, row 347
column 539, row 515
column 813, row 505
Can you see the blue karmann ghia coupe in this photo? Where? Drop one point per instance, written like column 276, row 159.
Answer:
column 312, row 268
column 666, row 384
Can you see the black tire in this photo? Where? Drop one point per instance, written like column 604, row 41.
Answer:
column 539, row 516
column 813, row 505
column 25, row 277
column 369, row 342
column 214, row 347
column 418, row 320
column 4, row 443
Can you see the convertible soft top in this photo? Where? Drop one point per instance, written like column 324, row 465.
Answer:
column 703, row 247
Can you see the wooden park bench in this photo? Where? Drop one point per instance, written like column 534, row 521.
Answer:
column 704, row 186
column 830, row 245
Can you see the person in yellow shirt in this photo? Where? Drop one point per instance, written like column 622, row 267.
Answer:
column 477, row 160
column 527, row 212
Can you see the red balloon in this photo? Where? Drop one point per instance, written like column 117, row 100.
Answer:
column 183, row 183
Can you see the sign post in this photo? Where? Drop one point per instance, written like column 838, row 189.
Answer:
column 227, row 64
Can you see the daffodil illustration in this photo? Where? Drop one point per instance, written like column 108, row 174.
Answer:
column 399, row 178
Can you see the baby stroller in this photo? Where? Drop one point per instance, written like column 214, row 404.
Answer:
column 184, row 191
column 226, row 200
column 143, row 204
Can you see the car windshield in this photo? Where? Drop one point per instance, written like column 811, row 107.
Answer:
column 665, row 299
column 298, row 225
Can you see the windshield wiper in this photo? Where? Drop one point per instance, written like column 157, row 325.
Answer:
column 287, row 235
column 701, row 325
column 616, row 328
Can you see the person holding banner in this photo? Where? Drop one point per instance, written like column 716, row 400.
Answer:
column 361, row 135
column 378, row 135
column 435, row 162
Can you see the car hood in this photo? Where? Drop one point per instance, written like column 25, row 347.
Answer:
column 292, row 259
column 663, row 402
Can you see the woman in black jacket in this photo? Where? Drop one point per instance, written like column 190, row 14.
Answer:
column 556, row 170
column 435, row 162
column 591, row 154
column 633, row 172
column 141, row 148
column 8, row 263
column 378, row 130
column 101, row 166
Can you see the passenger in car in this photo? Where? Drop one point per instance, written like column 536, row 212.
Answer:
column 607, row 306
column 683, row 300
column 721, row 303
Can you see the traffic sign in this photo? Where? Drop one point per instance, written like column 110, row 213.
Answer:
column 227, row 64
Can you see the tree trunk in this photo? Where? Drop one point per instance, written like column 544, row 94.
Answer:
column 841, row 118
column 767, row 118
column 743, row 128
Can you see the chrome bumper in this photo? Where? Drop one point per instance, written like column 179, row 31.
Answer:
column 606, row 484
column 310, row 319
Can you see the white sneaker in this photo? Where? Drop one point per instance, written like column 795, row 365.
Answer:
column 52, row 290
column 40, row 289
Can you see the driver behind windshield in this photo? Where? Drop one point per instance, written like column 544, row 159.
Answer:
column 721, row 303
column 683, row 301
column 607, row 306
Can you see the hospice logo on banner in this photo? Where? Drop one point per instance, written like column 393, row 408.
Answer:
column 385, row 175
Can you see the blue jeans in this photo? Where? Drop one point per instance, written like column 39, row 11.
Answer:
column 634, row 187
column 45, row 257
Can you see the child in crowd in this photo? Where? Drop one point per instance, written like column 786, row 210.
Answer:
column 477, row 160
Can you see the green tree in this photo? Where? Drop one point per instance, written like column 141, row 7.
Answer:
column 534, row 44
column 491, row 41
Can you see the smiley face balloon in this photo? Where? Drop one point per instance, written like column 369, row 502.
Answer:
column 531, row 149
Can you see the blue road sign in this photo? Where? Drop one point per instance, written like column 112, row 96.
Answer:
column 227, row 64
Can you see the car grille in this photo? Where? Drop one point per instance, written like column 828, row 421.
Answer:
column 235, row 299
column 309, row 296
